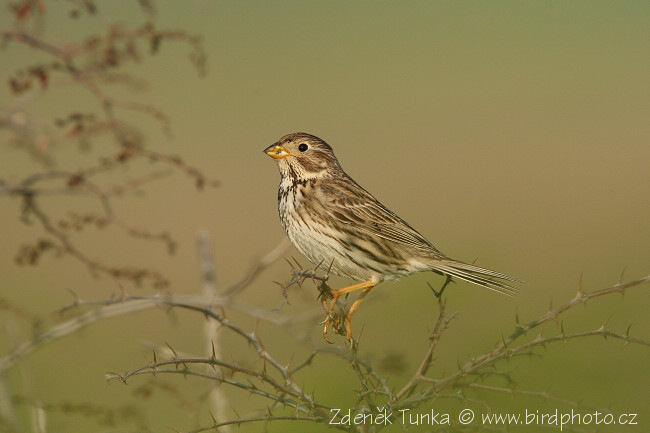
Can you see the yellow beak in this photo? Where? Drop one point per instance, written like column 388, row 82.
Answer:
column 276, row 151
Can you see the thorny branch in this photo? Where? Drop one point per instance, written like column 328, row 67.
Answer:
column 90, row 312
column 375, row 391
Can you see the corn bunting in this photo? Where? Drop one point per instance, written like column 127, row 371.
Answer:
column 333, row 221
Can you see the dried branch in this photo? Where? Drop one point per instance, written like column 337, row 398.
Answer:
column 218, row 399
column 89, row 312
column 374, row 392
column 484, row 364
column 86, row 66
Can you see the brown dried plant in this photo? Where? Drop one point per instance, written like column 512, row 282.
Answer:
column 89, row 67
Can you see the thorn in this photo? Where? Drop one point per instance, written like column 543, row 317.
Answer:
column 620, row 279
column 580, row 285
column 214, row 420
column 432, row 289
column 360, row 334
column 172, row 349
column 517, row 316
column 298, row 264
column 293, row 268
column 627, row 331
column 290, row 360
column 214, row 355
column 627, row 336
column 329, row 269
column 606, row 322
column 77, row 300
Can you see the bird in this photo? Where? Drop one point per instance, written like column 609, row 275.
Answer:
column 336, row 223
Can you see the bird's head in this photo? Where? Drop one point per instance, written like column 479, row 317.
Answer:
column 303, row 156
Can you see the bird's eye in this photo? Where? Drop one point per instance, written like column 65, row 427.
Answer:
column 302, row 147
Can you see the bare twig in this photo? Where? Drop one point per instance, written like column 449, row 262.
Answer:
column 218, row 400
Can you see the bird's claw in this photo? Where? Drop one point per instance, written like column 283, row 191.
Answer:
column 341, row 327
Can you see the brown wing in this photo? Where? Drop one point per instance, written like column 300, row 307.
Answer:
column 350, row 204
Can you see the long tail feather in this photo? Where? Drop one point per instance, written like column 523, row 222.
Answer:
column 480, row 276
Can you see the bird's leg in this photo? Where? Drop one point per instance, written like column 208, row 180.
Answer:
column 336, row 294
column 365, row 286
column 348, row 317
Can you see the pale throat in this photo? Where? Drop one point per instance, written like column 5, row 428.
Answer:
column 292, row 171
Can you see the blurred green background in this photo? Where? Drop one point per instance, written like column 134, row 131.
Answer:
column 515, row 132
